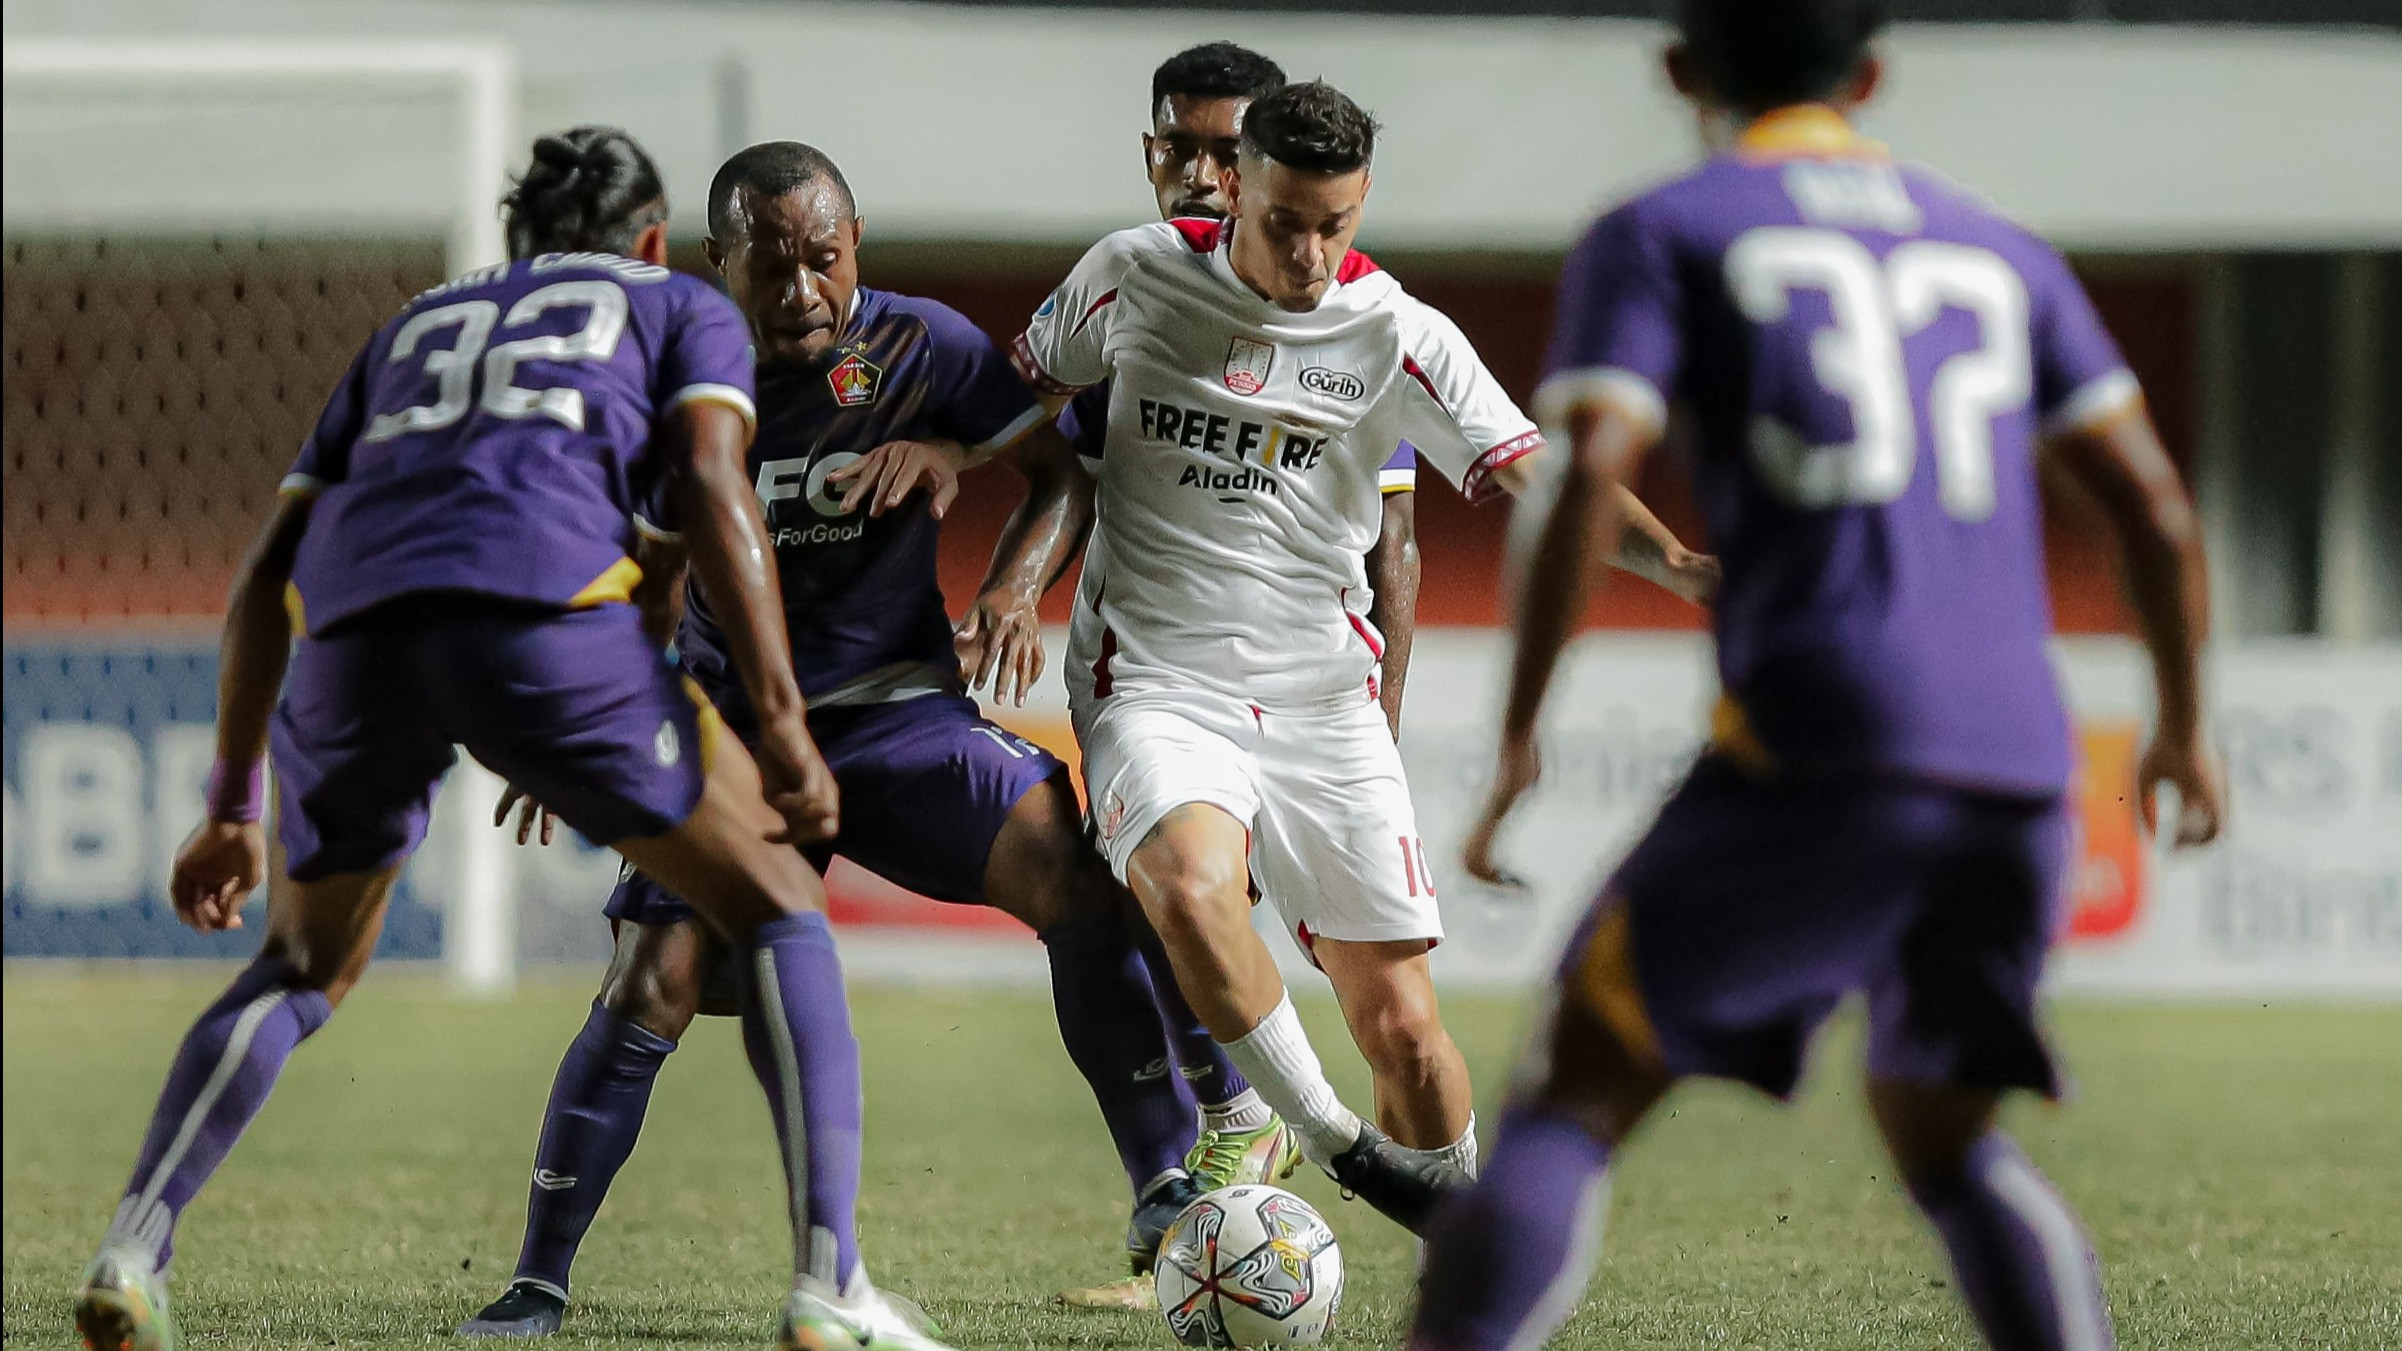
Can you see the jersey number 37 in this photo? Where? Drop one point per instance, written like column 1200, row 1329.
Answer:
column 1858, row 359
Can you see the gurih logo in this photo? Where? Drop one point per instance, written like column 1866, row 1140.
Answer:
column 1333, row 384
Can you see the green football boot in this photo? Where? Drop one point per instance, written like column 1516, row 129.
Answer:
column 122, row 1305
column 1239, row 1158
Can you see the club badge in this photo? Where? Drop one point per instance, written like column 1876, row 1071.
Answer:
column 855, row 380
column 1247, row 365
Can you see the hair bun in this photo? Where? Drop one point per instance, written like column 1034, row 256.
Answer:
column 556, row 153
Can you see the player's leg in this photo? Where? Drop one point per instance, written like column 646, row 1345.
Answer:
column 627, row 756
column 1727, row 936
column 1952, row 1027
column 1172, row 789
column 598, row 1099
column 1509, row 1257
column 1337, row 851
column 355, row 768
column 1242, row 1139
column 1387, row 991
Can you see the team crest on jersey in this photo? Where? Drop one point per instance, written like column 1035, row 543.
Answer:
column 855, row 380
column 1247, row 363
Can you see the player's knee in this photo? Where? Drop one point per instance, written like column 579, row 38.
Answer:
column 656, row 981
column 1190, row 898
column 1404, row 1040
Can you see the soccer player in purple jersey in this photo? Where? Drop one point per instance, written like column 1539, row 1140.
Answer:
column 454, row 547
column 870, row 403
column 1873, row 361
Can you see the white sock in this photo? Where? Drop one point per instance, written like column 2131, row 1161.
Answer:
column 1276, row 1057
column 1246, row 1111
column 1460, row 1153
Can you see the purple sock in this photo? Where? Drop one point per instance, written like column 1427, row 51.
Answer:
column 1508, row 1259
column 796, row 1025
column 1103, row 1002
column 221, row 1077
column 1199, row 1059
column 2023, row 1263
column 588, row 1131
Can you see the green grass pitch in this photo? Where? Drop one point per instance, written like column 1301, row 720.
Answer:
column 2241, row 1169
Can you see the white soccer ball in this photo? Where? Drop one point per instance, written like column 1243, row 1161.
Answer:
column 1250, row 1266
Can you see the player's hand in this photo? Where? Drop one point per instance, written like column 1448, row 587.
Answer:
column 2182, row 763
column 217, row 868
column 1518, row 768
column 1693, row 576
column 884, row 477
column 1000, row 639
column 797, row 783
column 527, row 811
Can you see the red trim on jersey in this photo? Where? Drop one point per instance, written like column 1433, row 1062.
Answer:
column 1355, row 266
column 1309, row 941
column 1021, row 359
column 1095, row 308
column 1109, row 648
column 1366, row 635
column 1477, row 485
column 1201, row 234
column 1411, row 368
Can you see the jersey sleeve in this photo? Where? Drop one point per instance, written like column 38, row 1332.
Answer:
column 2080, row 378
column 1615, row 335
column 1400, row 473
column 705, row 355
column 1062, row 350
column 324, row 457
column 979, row 400
column 1452, row 412
column 1085, row 421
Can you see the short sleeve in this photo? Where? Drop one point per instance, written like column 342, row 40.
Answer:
column 324, row 457
column 1085, row 421
column 1452, row 412
column 978, row 399
column 705, row 354
column 1615, row 333
column 1062, row 349
column 2080, row 377
column 1400, row 473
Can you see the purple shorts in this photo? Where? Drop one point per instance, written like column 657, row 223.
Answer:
column 577, row 707
column 1753, row 907
column 926, row 785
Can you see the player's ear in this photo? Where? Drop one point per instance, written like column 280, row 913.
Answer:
column 651, row 245
column 1682, row 75
column 858, row 231
column 1866, row 78
column 715, row 253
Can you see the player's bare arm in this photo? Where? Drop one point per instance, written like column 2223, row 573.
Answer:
column 1393, row 570
column 999, row 639
column 222, row 860
column 1650, row 550
column 1604, row 443
column 883, row 478
column 731, row 558
column 2119, row 461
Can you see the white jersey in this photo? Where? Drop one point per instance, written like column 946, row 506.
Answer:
column 1238, row 492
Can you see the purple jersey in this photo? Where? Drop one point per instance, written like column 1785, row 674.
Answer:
column 1869, row 355
column 495, row 436
column 862, row 599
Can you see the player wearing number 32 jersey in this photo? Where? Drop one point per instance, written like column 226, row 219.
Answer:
column 1874, row 361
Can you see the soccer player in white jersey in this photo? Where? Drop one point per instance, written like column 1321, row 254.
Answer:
column 1222, row 671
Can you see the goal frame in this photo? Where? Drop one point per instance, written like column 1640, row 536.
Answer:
column 479, row 902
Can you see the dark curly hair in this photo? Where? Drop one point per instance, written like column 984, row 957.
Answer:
column 588, row 190
column 1312, row 126
column 1215, row 70
column 1763, row 54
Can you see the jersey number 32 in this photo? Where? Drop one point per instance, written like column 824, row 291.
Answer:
column 454, row 368
column 1858, row 358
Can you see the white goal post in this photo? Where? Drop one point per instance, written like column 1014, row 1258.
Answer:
column 478, row 898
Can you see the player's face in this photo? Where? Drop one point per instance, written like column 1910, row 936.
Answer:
column 791, row 263
column 1189, row 152
column 1294, row 228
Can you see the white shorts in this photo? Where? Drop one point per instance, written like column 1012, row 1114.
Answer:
column 1334, row 840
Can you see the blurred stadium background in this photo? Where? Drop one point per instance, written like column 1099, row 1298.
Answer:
column 207, row 206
